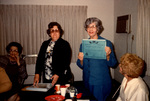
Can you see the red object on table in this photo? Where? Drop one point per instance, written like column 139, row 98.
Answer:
column 54, row 98
column 62, row 86
column 79, row 95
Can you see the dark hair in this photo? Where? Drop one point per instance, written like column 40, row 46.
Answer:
column 97, row 22
column 16, row 44
column 51, row 25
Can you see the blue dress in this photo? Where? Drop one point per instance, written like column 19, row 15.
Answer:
column 96, row 73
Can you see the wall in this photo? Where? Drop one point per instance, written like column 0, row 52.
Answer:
column 123, row 42
column 103, row 9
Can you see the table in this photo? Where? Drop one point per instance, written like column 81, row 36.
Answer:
column 39, row 96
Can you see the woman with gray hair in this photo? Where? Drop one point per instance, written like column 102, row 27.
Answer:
column 96, row 75
column 133, row 88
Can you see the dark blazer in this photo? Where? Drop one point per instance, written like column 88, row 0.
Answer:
column 61, row 59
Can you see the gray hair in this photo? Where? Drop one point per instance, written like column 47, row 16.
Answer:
column 97, row 22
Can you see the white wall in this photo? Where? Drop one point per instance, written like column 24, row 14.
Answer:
column 102, row 9
column 123, row 42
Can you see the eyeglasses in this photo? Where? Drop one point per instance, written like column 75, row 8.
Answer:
column 89, row 27
column 52, row 31
column 16, row 51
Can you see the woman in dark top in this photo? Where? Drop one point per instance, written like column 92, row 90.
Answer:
column 54, row 57
column 15, row 68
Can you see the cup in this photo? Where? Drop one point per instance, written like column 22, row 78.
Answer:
column 71, row 94
column 67, row 85
column 63, row 91
column 57, row 88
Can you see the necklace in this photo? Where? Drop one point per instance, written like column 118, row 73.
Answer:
column 12, row 62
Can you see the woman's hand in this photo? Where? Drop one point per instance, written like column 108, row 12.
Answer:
column 54, row 79
column 108, row 52
column 36, row 79
column 80, row 57
column 15, row 57
column 18, row 60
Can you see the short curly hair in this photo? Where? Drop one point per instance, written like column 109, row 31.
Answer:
column 97, row 22
column 52, row 24
column 16, row 44
column 132, row 65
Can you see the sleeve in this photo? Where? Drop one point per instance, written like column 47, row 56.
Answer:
column 61, row 59
column 78, row 61
column 142, row 96
column 40, row 59
column 22, row 72
column 112, row 61
column 67, row 56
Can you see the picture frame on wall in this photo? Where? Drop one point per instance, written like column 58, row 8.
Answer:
column 123, row 24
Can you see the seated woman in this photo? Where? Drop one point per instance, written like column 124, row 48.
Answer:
column 133, row 87
column 15, row 68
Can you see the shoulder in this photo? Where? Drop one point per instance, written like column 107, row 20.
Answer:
column 99, row 37
column 4, row 59
column 62, row 42
column 142, row 86
column 22, row 61
column 108, row 42
column 46, row 42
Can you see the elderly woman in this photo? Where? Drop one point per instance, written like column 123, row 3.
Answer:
column 133, row 88
column 54, row 57
column 96, row 75
column 15, row 68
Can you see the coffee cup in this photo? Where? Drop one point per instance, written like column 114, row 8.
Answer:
column 63, row 90
column 57, row 88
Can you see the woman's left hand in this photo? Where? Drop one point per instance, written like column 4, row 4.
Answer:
column 108, row 52
column 15, row 58
column 18, row 60
column 54, row 79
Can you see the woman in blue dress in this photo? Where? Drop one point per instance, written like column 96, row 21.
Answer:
column 96, row 74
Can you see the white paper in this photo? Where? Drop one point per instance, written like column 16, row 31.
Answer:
column 83, row 100
column 42, row 87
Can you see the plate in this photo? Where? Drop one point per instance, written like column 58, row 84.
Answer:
column 54, row 98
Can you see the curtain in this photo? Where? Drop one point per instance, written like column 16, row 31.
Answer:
column 143, row 33
column 27, row 24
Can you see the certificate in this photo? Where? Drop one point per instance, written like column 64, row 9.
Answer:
column 94, row 48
